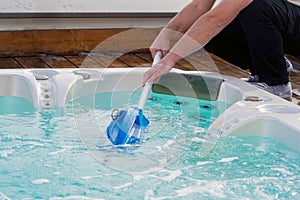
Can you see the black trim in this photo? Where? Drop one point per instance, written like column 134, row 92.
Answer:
column 89, row 15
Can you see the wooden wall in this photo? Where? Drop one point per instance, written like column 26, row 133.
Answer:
column 58, row 42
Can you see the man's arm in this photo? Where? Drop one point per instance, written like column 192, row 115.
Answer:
column 200, row 33
column 179, row 24
column 212, row 22
column 189, row 14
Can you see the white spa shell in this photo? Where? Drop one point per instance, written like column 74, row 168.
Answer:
column 252, row 111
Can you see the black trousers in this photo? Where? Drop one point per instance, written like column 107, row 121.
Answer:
column 259, row 37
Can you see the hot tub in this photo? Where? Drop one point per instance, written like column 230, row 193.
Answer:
column 210, row 136
column 252, row 111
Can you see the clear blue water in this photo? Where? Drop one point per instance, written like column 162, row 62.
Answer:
column 55, row 155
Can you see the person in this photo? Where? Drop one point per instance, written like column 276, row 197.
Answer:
column 252, row 34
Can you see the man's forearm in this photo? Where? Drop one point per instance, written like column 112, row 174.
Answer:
column 189, row 14
column 207, row 26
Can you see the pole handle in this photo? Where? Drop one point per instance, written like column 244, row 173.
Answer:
column 148, row 85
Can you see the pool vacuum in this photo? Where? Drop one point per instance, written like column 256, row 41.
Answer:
column 127, row 125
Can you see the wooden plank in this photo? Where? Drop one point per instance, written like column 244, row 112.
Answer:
column 295, row 85
column 117, row 64
column 212, row 63
column 133, row 40
column 33, row 42
column 31, row 62
column 108, row 60
column 145, row 56
column 9, row 63
column 57, row 62
column 231, row 70
column 73, row 41
column 203, row 61
column 295, row 77
column 134, row 61
column 83, row 62
column 202, row 65
column 191, row 63
column 185, row 65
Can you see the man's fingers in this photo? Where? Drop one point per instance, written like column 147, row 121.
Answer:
column 164, row 52
column 154, row 77
column 153, row 52
column 155, row 72
column 150, row 76
column 147, row 76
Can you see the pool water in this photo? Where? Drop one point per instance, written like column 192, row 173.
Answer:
column 55, row 155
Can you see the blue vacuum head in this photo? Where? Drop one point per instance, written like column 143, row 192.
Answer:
column 127, row 127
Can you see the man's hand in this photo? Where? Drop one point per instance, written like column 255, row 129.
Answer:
column 161, row 68
column 162, row 42
column 155, row 72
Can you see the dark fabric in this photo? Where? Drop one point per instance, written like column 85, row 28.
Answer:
column 259, row 37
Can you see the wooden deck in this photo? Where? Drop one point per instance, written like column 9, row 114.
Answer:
column 66, row 49
column 133, row 59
